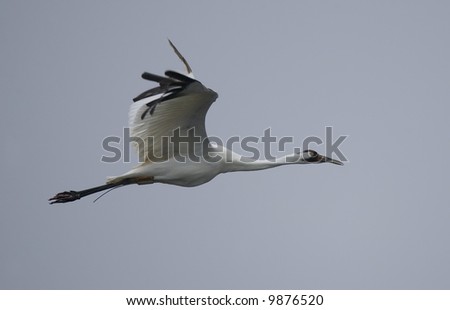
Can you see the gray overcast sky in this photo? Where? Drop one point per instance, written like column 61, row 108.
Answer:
column 377, row 71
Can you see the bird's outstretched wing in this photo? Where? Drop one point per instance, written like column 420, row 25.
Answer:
column 177, row 107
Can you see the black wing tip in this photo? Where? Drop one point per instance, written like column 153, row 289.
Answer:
column 179, row 76
column 153, row 77
column 145, row 75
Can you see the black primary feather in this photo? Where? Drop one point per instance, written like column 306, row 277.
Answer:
column 169, row 87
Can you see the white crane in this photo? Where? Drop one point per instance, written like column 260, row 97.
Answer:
column 179, row 104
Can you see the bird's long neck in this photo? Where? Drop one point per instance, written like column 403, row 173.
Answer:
column 247, row 164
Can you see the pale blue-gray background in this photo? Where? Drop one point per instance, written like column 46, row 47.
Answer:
column 377, row 71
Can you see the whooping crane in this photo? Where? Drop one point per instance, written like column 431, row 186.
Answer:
column 181, row 102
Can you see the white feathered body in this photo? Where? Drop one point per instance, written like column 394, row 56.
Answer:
column 184, row 113
column 177, row 108
column 189, row 173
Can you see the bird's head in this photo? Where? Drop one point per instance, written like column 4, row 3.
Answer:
column 312, row 157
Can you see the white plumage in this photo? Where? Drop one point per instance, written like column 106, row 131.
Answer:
column 178, row 108
column 188, row 111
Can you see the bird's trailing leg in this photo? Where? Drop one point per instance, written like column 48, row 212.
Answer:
column 144, row 180
column 69, row 196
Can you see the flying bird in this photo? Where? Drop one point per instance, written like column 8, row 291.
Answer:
column 177, row 108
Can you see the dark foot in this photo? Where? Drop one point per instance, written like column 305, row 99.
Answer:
column 65, row 197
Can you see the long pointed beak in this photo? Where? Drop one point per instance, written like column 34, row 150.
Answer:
column 331, row 160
